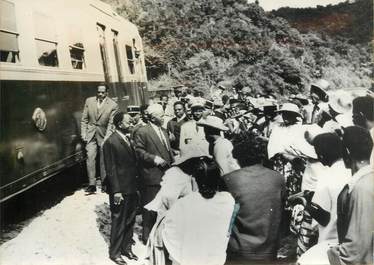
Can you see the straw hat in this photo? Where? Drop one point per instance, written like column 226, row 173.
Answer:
column 290, row 107
column 214, row 122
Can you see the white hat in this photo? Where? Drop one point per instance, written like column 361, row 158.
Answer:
column 155, row 109
column 290, row 107
column 214, row 122
column 189, row 152
column 341, row 101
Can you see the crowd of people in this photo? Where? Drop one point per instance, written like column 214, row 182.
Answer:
column 223, row 177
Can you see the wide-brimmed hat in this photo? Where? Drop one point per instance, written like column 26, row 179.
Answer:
column 191, row 151
column 133, row 109
column 290, row 107
column 319, row 88
column 214, row 122
column 341, row 101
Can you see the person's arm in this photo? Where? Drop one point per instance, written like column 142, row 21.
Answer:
column 111, row 167
column 319, row 214
column 84, row 122
column 356, row 246
column 111, row 128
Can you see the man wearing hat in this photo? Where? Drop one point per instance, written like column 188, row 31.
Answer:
column 220, row 147
column 155, row 156
column 318, row 96
column 191, row 133
column 134, row 112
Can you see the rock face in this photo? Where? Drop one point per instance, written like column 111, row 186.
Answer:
column 200, row 43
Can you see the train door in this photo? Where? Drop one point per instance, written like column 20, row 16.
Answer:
column 103, row 51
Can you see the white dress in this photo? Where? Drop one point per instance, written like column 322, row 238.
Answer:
column 196, row 230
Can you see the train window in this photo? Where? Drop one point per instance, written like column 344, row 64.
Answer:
column 76, row 48
column 46, row 40
column 117, row 55
column 77, row 56
column 9, row 51
column 47, row 53
column 130, row 59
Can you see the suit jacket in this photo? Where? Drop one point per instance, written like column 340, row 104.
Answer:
column 148, row 145
column 259, row 192
column 174, row 126
column 120, row 165
column 97, row 122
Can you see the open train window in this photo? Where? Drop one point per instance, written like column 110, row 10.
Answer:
column 130, row 59
column 46, row 40
column 9, row 51
column 76, row 48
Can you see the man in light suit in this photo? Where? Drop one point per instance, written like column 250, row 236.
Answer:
column 96, row 125
column 155, row 156
column 121, row 169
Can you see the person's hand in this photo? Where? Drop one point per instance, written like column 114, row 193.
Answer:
column 171, row 137
column 160, row 161
column 118, row 198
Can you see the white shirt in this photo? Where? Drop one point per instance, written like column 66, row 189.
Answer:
column 191, row 134
column 222, row 153
column 99, row 105
column 330, row 183
column 160, row 135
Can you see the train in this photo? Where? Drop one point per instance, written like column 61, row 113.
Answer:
column 54, row 54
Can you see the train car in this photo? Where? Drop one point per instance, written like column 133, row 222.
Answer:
column 53, row 56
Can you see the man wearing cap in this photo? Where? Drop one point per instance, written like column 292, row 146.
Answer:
column 219, row 147
column 155, row 156
column 134, row 112
column 319, row 96
column 96, row 125
column 174, row 125
column 191, row 133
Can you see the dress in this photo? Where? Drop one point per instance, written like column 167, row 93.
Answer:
column 196, row 230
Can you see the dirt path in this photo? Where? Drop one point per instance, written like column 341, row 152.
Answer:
column 74, row 232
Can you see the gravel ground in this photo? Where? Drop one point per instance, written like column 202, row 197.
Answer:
column 75, row 231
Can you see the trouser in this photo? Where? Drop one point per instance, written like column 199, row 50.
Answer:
column 91, row 148
column 148, row 193
column 123, row 220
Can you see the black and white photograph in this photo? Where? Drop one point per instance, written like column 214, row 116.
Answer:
column 186, row 132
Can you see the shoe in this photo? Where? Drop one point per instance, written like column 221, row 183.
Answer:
column 91, row 189
column 130, row 255
column 119, row 260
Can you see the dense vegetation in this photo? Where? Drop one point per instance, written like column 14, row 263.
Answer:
column 349, row 19
column 200, row 43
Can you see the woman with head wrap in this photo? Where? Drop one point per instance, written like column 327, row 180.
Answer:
column 197, row 228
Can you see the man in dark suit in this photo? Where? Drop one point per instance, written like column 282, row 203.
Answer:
column 155, row 156
column 122, row 172
column 96, row 125
column 174, row 125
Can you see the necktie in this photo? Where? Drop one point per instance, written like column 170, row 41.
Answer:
column 162, row 138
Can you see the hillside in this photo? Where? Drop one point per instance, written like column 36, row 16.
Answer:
column 350, row 20
column 200, row 43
